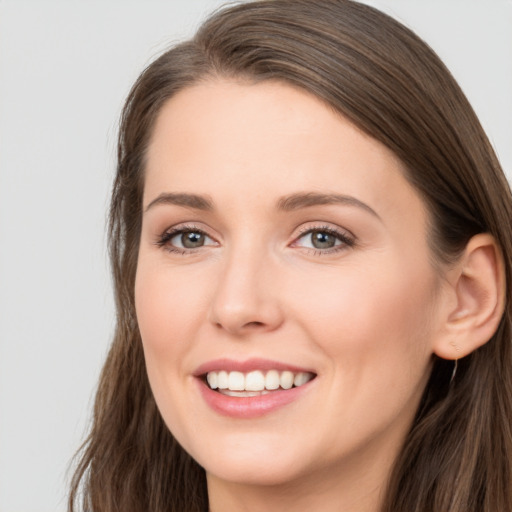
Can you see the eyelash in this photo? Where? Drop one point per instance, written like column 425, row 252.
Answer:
column 347, row 240
column 168, row 235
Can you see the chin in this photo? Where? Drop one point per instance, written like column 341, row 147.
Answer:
column 254, row 462
column 264, row 472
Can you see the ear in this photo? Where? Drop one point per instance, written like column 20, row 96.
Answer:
column 477, row 297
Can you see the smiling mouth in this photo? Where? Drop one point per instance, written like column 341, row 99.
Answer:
column 255, row 383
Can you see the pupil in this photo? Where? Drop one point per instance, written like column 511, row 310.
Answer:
column 192, row 240
column 322, row 240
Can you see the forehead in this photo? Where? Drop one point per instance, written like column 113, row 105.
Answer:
column 271, row 139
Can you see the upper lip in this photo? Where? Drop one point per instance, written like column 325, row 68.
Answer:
column 248, row 365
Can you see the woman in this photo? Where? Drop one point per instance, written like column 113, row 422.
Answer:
column 309, row 236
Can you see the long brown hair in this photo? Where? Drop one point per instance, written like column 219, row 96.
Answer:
column 382, row 77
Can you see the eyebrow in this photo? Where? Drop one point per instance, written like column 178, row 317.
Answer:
column 194, row 201
column 307, row 199
column 288, row 203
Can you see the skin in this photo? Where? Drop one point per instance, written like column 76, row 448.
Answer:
column 364, row 316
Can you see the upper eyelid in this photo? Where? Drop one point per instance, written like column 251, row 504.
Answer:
column 163, row 239
column 181, row 227
column 343, row 235
column 304, row 229
column 176, row 229
column 325, row 227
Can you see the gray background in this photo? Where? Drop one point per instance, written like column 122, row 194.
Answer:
column 65, row 68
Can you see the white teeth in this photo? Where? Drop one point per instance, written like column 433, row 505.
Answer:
column 256, row 382
column 213, row 379
column 272, row 380
column 301, row 379
column 236, row 381
column 222, row 380
column 244, row 393
column 286, row 380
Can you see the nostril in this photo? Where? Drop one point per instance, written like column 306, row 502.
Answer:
column 254, row 324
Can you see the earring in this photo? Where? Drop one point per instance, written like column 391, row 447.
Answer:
column 454, row 371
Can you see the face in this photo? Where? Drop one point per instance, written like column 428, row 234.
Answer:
column 284, row 259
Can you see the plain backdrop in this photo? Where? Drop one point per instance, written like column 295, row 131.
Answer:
column 65, row 68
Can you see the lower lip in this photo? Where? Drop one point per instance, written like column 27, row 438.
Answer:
column 248, row 407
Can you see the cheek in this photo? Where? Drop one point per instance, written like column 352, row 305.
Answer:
column 168, row 305
column 372, row 321
column 375, row 331
column 167, row 308
column 165, row 315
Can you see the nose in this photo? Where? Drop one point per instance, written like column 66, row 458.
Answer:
column 246, row 296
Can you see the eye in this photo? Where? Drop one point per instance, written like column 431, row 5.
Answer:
column 324, row 239
column 184, row 239
column 189, row 239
